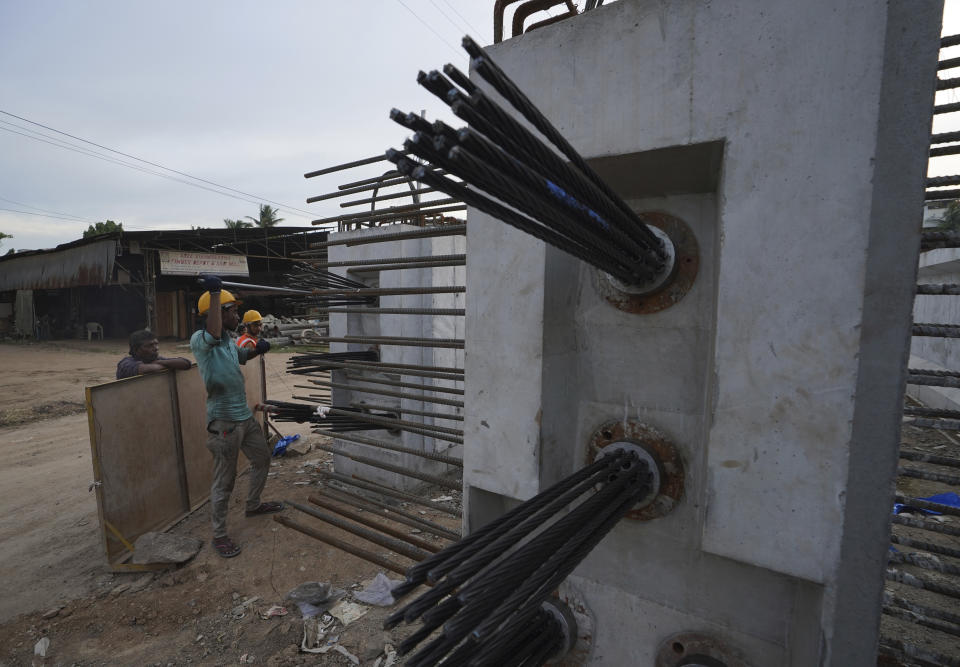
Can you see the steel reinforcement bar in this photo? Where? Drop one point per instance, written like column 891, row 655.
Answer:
column 400, row 470
column 367, row 485
column 359, row 552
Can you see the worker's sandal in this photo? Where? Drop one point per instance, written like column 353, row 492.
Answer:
column 226, row 547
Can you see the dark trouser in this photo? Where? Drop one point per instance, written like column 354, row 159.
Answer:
column 225, row 439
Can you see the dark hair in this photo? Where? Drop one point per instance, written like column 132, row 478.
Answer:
column 138, row 338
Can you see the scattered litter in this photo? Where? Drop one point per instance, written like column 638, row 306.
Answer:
column 347, row 612
column 275, row 610
column 40, row 648
column 246, row 658
column 241, row 609
column 280, row 448
column 314, row 597
column 302, row 483
column 50, row 614
column 199, row 638
column 377, row 591
column 442, row 499
column 322, row 411
column 388, row 658
column 315, row 633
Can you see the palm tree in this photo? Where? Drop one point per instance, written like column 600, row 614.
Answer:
column 236, row 224
column 268, row 217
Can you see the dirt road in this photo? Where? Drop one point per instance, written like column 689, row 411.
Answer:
column 51, row 556
column 49, row 549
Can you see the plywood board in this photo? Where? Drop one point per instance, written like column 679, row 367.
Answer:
column 134, row 435
column 192, row 402
column 253, row 375
column 148, row 439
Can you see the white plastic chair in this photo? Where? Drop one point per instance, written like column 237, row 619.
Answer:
column 94, row 329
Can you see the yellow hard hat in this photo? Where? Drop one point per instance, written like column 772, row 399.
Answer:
column 251, row 316
column 203, row 305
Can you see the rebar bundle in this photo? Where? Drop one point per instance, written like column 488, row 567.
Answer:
column 324, row 419
column 564, row 204
column 310, row 278
column 489, row 587
column 304, row 364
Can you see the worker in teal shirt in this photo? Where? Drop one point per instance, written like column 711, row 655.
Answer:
column 231, row 427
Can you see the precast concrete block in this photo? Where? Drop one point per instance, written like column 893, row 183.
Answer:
column 399, row 325
column 792, row 142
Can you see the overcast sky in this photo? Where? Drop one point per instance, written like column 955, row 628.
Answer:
column 246, row 94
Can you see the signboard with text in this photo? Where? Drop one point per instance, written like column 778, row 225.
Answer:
column 177, row 263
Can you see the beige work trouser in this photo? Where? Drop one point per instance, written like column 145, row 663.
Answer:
column 225, row 439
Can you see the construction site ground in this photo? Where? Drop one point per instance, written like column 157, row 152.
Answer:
column 57, row 584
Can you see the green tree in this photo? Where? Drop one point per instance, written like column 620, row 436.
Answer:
column 236, row 224
column 268, row 217
column 950, row 221
column 5, row 236
column 103, row 228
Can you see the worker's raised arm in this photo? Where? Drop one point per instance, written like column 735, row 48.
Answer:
column 213, row 284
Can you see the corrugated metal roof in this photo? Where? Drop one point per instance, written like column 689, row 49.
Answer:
column 78, row 266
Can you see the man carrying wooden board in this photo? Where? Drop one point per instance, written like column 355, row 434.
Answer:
column 231, row 426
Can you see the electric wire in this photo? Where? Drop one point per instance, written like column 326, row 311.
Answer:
column 259, row 199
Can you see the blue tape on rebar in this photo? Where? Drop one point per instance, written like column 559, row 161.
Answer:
column 570, row 200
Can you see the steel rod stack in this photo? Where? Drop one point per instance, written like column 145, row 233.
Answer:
column 323, row 420
column 499, row 161
column 319, row 282
column 406, row 276
column 304, row 364
column 920, row 624
column 417, row 212
column 489, row 587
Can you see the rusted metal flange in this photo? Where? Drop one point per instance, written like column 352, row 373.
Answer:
column 660, row 449
column 578, row 654
column 683, row 273
column 694, row 648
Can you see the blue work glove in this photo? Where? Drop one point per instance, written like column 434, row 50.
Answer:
column 210, row 283
column 262, row 347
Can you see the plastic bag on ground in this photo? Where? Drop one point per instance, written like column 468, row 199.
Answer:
column 378, row 591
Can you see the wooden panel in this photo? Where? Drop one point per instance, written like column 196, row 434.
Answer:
column 192, row 400
column 166, row 314
column 193, row 419
column 182, row 315
column 256, row 387
column 135, row 446
column 148, row 438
